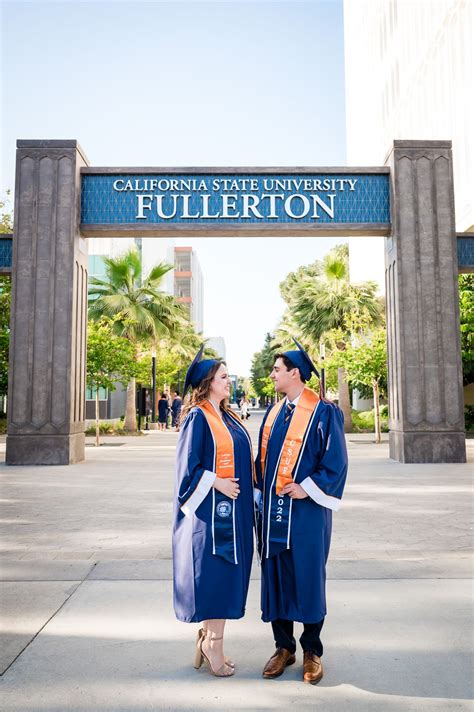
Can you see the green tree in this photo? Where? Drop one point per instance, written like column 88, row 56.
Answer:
column 322, row 300
column 5, row 306
column 110, row 359
column 6, row 215
column 6, row 227
column 142, row 313
column 143, row 374
column 366, row 364
column 262, row 364
column 286, row 330
column 466, row 311
column 167, row 367
column 174, row 354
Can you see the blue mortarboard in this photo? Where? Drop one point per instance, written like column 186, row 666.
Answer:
column 301, row 360
column 198, row 370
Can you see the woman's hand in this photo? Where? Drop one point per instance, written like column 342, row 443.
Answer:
column 228, row 486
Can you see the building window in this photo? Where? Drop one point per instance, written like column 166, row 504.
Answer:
column 90, row 393
column 96, row 266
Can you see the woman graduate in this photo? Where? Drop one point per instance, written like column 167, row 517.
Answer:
column 214, row 513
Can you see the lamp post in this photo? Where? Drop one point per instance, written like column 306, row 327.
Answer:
column 322, row 355
column 153, row 386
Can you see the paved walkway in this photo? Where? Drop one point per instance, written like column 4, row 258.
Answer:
column 86, row 591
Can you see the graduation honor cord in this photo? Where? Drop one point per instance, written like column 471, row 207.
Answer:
column 279, row 509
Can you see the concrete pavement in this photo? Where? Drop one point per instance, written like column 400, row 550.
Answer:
column 86, row 591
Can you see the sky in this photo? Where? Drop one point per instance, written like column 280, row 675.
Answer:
column 187, row 84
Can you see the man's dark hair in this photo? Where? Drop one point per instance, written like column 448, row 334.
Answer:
column 177, row 393
column 289, row 365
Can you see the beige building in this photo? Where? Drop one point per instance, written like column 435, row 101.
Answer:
column 409, row 70
column 188, row 284
column 409, row 75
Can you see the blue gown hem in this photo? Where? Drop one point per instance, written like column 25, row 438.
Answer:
column 208, row 616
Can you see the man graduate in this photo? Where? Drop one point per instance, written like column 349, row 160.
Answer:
column 301, row 472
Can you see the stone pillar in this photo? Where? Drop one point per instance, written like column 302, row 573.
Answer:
column 425, row 373
column 46, row 397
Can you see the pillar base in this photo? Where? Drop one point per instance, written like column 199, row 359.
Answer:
column 414, row 447
column 45, row 449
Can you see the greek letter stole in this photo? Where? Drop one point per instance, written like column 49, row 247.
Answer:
column 278, row 517
column 223, row 508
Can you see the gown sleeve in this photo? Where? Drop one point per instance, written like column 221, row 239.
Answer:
column 326, row 484
column 193, row 480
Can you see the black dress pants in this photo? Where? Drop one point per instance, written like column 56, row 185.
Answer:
column 310, row 640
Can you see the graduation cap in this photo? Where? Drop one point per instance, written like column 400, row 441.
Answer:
column 302, row 361
column 198, row 370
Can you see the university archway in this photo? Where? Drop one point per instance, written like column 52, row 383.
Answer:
column 60, row 200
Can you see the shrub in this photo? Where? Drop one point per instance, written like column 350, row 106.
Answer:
column 103, row 428
column 469, row 418
column 363, row 421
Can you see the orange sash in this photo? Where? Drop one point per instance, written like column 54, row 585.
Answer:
column 271, row 417
column 245, row 429
column 294, row 437
column 224, row 456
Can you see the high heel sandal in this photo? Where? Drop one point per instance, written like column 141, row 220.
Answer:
column 224, row 670
column 200, row 634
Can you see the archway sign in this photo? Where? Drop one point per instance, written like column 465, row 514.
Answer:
column 60, row 201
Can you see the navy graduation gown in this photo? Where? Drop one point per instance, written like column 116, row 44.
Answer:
column 294, row 581
column 204, row 584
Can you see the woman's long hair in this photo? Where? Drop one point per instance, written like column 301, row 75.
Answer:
column 202, row 392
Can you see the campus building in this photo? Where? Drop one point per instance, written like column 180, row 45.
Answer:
column 409, row 74
column 188, row 284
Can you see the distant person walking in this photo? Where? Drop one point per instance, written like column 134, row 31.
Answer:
column 170, row 400
column 163, row 410
column 244, row 408
column 176, row 406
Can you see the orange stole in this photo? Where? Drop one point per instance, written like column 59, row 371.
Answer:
column 225, row 465
column 243, row 426
column 272, row 416
column 294, row 437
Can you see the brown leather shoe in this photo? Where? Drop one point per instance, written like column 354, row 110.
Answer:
column 277, row 663
column 312, row 668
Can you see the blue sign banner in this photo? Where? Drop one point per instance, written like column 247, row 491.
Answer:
column 234, row 198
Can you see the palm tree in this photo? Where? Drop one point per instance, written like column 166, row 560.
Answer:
column 145, row 313
column 323, row 303
column 285, row 331
column 181, row 347
column 184, row 343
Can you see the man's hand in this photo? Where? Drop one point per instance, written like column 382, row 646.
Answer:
column 294, row 491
